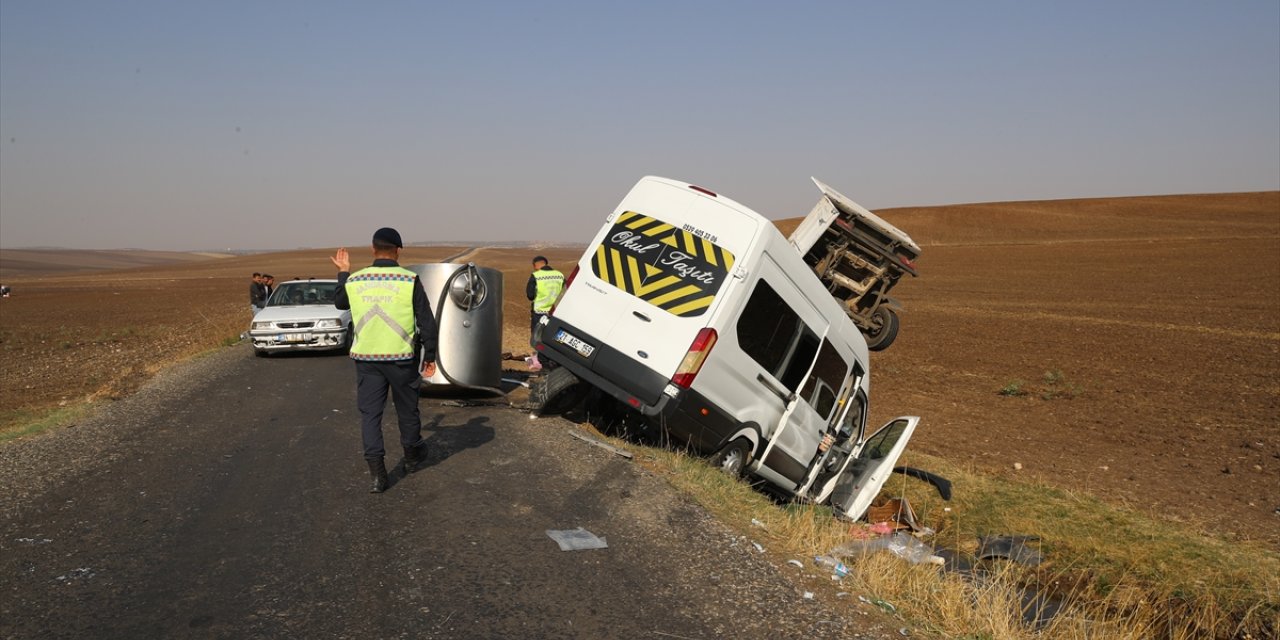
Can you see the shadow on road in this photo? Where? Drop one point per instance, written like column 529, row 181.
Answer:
column 446, row 440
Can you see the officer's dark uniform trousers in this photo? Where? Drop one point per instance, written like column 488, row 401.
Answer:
column 372, row 381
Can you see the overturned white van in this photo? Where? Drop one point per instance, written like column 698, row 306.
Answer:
column 695, row 312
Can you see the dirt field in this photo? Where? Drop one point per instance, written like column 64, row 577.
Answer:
column 1138, row 340
column 1151, row 324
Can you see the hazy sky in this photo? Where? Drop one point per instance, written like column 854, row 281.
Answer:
column 171, row 125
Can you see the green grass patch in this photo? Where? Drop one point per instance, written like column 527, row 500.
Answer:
column 1013, row 389
column 1053, row 385
column 25, row 422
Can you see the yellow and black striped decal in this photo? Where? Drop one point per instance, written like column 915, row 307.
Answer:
column 673, row 269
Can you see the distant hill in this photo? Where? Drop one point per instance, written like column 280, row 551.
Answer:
column 1225, row 215
column 1219, row 215
column 34, row 262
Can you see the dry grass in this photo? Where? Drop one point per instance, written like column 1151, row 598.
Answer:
column 1118, row 573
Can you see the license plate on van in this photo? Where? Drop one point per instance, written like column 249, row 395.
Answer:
column 564, row 337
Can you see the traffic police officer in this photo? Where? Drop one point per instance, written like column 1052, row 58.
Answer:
column 392, row 318
column 544, row 286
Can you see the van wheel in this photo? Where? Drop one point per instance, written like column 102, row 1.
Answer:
column 558, row 392
column 613, row 418
column 883, row 330
column 733, row 458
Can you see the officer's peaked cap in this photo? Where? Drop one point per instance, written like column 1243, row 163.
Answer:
column 387, row 235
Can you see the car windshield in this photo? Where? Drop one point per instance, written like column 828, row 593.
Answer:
column 303, row 293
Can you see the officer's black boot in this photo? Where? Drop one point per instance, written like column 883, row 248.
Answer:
column 378, row 470
column 414, row 457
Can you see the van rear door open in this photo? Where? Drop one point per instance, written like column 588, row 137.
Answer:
column 655, row 272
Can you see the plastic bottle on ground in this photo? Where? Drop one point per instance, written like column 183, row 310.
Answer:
column 838, row 568
column 900, row 544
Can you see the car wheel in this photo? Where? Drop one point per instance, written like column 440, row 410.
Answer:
column 884, row 329
column 558, row 392
column 733, row 458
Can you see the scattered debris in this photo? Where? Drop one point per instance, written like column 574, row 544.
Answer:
column 34, row 540
column 1010, row 548
column 884, row 604
column 602, row 445
column 940, row 483
column 82, row 572
column 514, row 381
column 893, row 511
column 808, row 595
column 879, row 529
column 576, row 539
column 796, row 563
column 758, row 524
column 1017, row 466
column 899, row 543
column 838, row 569
column 465, row 403
column 759, row 547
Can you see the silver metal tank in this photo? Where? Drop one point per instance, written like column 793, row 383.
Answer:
column 467, row 303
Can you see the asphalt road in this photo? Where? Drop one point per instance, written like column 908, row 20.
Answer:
column 228, row 499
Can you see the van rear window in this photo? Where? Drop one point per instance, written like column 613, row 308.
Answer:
column 674, row 269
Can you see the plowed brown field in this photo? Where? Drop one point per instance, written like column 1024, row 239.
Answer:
column 1160, row 319
column 1140, row 338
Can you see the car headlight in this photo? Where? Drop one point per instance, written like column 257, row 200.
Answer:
column 328, row 324
column 262, row 325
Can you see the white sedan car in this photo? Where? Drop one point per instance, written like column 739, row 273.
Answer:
column 300, row 316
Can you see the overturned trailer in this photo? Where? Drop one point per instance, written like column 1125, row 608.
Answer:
column 466, row 301
column 859, row 257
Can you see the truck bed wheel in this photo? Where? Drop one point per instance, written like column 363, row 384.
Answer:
column 733, row 458
column 884, row 329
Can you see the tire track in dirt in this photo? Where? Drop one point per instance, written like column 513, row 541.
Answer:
column 1136, row 324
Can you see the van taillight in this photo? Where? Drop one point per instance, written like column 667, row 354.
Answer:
column 568, row 281
column 692, row 363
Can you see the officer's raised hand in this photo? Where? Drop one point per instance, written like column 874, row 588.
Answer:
column 342, row 260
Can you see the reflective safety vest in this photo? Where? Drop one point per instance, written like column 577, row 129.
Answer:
column 382, row 311
column 550, row 283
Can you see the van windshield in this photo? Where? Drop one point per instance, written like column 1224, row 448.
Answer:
column 677, row 270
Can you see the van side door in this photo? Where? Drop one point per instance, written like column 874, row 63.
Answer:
column 870, row 468
column 782, row 332
column 844, row 434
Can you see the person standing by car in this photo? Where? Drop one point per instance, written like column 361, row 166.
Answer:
column 257, row 294
column 392, row 318
column 268, row 287
column 544, row 286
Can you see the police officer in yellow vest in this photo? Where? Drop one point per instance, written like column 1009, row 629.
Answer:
column 544, row 286
column 392, row 319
